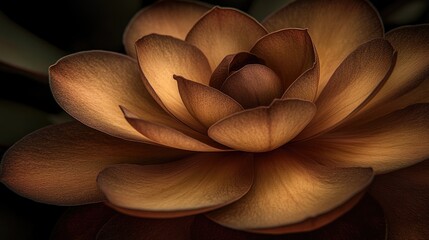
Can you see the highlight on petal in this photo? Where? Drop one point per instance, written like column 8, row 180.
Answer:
column 174, row 18
column 161, row 57
column 404, row 195
column 336, row 28
column 200, row 183
column 289, row 52
column 289, row 189
column 253, row 85
column 224, row 31
column 133, row 228
column 206, row 104
column 230, row 64
column 411, row 69
column 91, row 85
column 392, row 142
column 355, row 81
column 264, row 128
column 59, row 164
column 175, row 136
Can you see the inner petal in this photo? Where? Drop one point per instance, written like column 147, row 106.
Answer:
column 253, row 85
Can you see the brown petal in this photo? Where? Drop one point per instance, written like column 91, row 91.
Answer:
column 336, row 28
column 224, row 31
column 395, row 141
column 264, row 128
column 355, row 81
column 174, row 18
column 206, row 104
column 131, row 228
column 288, row 52
column 411, row 69
column 231, row 63
column 185, row 187
column 253, row 85
column 404, row 197
column 176, row 137
column 161, row 57
column 91, row 85
column 289, row 189
column 59, row 164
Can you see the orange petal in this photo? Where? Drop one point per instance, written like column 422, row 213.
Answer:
column 231, row 63
column 253, row 85
column 395, row 141
column 336, row 28
column 172, row 136
column 185, row 187
column 174, row 18
column 354, row 82
column 91, row 85
column 224, row 31
column 161, row 57
column 206, row 104
column 59, row 164
column 289, row 190
column 404, row 196
column 411, row 69
column 264, row 128
column 288, row 52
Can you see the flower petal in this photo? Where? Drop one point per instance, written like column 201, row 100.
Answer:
column 206, row 104
column 288, row 190
column 288, row 52
column 231, row 63
column 411, row 69
column 253, row 85
column 404, row 195
column 305, row 86
column 355, row 80
column 336, row 28
column 264, row 128
column 395, row 141
column 178, row 137
column 174, row 18
column 91, row 85
column 132, row 228
column 59, row 164
column 161, row 57
column 185, row 187
column 224, row 31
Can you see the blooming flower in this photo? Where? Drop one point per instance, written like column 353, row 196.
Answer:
column 273, row 128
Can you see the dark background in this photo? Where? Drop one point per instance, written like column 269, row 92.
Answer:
column 76, row 25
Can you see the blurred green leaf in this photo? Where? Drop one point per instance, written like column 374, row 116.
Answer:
column 261, row 9
column 406, row 12
column 25, row 52
column 18, row 120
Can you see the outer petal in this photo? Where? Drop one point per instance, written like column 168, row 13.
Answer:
column 404, row 197
column 161, row 57
column 395, row 141
column 337, row 27
column 59, row 164
column 253, row 85
column 288, row 190
column 179, row 137
column 90, row 86
column 288, row 52
column 174, row 18
column 131, row 228
column 264, row 128
column 354, row 82
column 411, row 69
column 185, row 187
column 205, row 103
column 224, row 31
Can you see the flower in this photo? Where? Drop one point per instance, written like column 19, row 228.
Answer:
column 275, row 128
